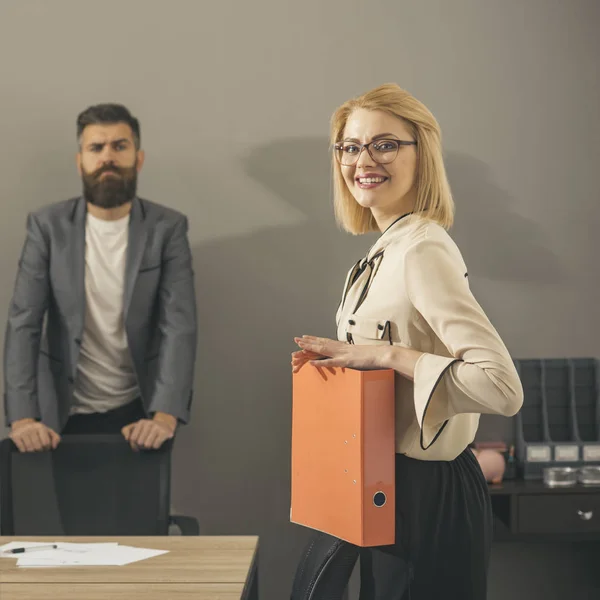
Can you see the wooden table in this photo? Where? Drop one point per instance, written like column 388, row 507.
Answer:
column 202, row 568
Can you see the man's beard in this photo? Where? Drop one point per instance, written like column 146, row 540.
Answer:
column 110, row 191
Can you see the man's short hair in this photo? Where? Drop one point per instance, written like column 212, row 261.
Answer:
column 109, row 113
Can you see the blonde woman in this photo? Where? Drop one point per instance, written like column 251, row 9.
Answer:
column 407, row 306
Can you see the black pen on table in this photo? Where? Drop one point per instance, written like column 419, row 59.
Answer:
column 32, row 549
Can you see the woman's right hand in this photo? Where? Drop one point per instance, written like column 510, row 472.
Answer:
column 301, row 357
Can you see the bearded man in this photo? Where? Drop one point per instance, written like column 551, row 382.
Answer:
column 101, row 332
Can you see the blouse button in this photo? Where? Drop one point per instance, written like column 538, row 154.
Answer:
column 351, row 322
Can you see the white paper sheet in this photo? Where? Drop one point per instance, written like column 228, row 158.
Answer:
column 70, row 554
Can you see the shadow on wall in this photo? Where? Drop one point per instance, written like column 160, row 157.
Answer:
column 498, row 243
column 255, row 293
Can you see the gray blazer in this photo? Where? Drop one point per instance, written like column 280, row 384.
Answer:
column 46, row 315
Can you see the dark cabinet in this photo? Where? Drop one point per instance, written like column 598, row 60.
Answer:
column 529, row 510
column 558, row 513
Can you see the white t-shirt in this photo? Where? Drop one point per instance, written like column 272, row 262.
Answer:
column 105, row 376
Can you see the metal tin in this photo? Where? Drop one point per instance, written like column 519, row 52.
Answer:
column 589, row 475
column 560, row 476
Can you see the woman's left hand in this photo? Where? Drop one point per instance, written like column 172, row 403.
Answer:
column 340, row 354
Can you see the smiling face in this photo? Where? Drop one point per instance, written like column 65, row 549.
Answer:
column 388, row 190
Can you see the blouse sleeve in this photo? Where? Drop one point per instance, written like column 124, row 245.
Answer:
column 479, row 376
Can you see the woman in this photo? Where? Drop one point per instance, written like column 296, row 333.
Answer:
column 407, row 306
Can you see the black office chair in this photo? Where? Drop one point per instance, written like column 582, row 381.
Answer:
column 90, row 485
column 324, row 569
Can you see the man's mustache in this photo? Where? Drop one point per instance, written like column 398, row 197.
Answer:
column 108, row 169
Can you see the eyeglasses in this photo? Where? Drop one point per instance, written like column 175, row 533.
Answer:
column 382, row 152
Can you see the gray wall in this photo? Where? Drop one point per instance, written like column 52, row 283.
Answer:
column 234, row 100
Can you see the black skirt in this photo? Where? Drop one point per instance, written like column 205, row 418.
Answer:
column 443, row 534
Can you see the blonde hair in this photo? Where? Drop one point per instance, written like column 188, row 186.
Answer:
column 434, row 198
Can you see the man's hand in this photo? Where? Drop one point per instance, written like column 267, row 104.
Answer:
column 32, row 436
column 148, row 434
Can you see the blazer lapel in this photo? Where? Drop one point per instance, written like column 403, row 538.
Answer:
column 75, row 257
column 136, row 245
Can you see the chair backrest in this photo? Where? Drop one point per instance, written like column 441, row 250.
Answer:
column 90, row 485
column 324, row 569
